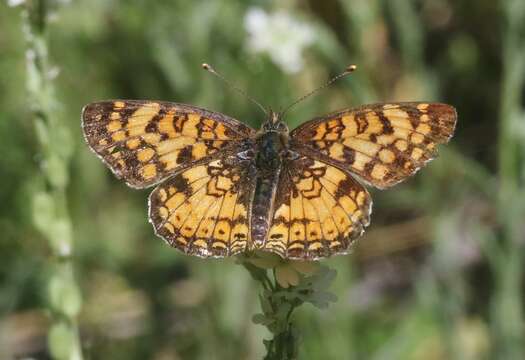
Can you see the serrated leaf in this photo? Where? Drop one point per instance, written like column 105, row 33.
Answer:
column 321, row 299
column 286, row 276
column 267, row 344
column 323, row 279
column 305, row 267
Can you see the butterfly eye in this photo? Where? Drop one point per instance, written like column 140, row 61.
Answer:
column 291, row 155
column 267, row 126
column 282, row 127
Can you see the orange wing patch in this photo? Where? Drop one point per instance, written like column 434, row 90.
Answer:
column 145, row 141
column 382, row 143
column 319, row 210
column 203, row 210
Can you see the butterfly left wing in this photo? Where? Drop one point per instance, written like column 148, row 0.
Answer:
column 319, row 210
column 143, row 142
column 383, row 144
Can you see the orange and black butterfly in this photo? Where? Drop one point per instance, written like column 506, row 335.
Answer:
column 223, row 188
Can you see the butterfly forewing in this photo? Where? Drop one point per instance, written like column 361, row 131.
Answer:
column 143, row 142
column 319, row 210
column 382, row 144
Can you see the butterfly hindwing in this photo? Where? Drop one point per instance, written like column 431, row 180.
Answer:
column 204, row 210
column 319, row 210
column 382, row 144
column 145, row 141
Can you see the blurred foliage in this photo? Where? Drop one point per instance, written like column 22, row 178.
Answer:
column 439, row 273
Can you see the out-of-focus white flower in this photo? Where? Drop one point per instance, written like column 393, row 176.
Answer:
column 14, row 3
column 280, row 35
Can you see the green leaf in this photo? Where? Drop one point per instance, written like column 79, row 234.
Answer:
column 267, row 344
column 258, row 318
column 64, row 295
column 322, row 279
column 56, row 171
column 63, row 144
column 61, row 341
column 321, row 300
column 61, row 236
column 43, row 211
column 287, row 276
column 262, row 319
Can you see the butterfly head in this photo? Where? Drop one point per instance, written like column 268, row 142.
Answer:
column 274, row 123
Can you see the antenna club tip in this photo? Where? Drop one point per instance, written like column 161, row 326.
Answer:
column 206, row 66
column 351, row 68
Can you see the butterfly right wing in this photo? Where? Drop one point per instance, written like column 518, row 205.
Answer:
column 203, row 210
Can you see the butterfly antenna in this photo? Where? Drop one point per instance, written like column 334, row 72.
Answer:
column 348, row 70
column 208, row 67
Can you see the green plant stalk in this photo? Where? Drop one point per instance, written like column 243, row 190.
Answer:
column 283, row 345
column 50, row 213
column 506, row 306
column 282, row 294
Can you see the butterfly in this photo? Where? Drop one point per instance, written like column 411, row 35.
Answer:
column 224, row 188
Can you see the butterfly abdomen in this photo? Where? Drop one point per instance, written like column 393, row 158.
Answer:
column 268, row 161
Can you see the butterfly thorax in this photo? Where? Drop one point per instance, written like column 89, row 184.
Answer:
column 272, row 148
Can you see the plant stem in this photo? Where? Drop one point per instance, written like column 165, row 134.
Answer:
column 50, row 212
column 507, row 307
column 292, row 284
column 283, row 345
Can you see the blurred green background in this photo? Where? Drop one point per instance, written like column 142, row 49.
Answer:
column 438, row 274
